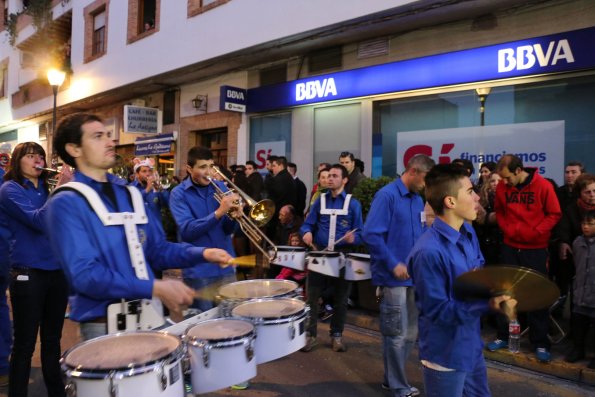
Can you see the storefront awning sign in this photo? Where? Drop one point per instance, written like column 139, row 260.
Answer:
column 151, row 146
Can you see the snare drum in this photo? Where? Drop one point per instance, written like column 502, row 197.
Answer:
column 221, row 353
column 234, row 293
column 289, row 256
column 280, row 325
column 357, row 267
column 325, row 262
column 126, row 364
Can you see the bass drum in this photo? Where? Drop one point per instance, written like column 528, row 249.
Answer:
column 280, row 325
column 127, row 364
column 230, row 295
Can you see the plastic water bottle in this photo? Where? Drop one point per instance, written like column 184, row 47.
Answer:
column 514, row 336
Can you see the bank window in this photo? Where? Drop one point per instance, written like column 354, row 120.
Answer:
column 96, row 23
column 270, row 134
column 561, row 106
column 196, row 7
column 143, row 18
column 336, row 129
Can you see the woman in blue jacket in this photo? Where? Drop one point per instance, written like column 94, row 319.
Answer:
column 38, row 288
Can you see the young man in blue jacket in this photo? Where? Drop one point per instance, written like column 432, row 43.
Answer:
column 105, row 261
column 450, row 345
column 395, row 221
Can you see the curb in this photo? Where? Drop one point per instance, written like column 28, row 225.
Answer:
column 576, row 372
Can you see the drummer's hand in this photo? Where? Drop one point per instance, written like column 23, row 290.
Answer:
column 307, row 238
column 350, row 237
column 217, row 255
column 504, row 304
column 400, row 271
column 564, row 251
column 174, row 294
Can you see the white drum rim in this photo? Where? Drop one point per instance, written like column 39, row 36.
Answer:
column 248, row 282
column 357, row 256
column 121, row 372
column 290, row 248
column 218, row 343
column 324, row 254
column 273, row 320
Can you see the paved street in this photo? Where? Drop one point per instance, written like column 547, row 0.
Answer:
column 358, row 372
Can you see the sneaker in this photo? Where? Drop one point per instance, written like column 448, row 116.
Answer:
column 338, row 345
column 413, row 391
column 543, row 355
column 310, row 344
column 3, row 380
column 385, row 386
column 241, row 386
column 497, row 345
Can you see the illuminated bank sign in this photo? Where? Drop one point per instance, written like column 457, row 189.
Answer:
column 562, row 52
column 232, row 99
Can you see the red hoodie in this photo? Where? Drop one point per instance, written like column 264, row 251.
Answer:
column 527, row 216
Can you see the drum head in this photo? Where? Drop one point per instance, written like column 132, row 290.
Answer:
column 290, row 248
column 269, row 309
column 249, row 289
column 121, row 351
column 221, row 330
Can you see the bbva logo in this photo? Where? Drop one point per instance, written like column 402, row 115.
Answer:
column 315, row 89
column 525, row 56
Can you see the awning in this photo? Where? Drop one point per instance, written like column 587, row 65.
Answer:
column 153, row 145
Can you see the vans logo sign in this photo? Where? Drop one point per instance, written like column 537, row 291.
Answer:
column 315, row 89
column 527, row 56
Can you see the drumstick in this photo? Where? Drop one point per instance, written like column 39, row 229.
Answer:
column 342, row 238
column 243, row 261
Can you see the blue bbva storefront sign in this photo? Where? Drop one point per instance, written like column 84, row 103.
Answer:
column 563, row 52
column 232, row 98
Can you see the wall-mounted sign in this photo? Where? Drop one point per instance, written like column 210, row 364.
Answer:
column 153, row 145
column 539, row 147
column 555, row 53
column 142, row 120
column 232, row 99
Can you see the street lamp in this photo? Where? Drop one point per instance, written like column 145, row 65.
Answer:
column 55, row 78
column 483, row 95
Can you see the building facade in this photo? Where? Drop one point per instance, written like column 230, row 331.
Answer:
column 383, row 80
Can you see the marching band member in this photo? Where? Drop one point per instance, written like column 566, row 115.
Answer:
column 38, row 289
column 335, row 215
column 145, row 179
column 107, row 246
column 202, row 220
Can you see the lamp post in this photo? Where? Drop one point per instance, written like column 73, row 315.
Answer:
column 55, row 78
column 483, row 95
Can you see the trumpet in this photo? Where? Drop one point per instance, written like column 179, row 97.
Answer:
column 53, row 181
column 50, row 170
column 259, row 214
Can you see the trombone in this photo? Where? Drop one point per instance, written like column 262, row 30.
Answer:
column 52, row 182
column 260, row 214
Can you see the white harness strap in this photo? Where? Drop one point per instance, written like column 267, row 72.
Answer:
column 127, row 219
column 333, row 220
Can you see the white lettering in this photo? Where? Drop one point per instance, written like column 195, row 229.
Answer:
column 563, row 51
column 315, row 89
column 527, row 56
column 506, row 60
column 235, row 94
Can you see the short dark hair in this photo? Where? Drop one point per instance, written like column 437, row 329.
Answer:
column 69, row 130
column 420, row 162
column 466, row 164
column 198, row 153
column 344, row 173
column 490, row 165
column 575, row 163
column 347, row 154
column 272, row 158
column 441, row 181
column 281, row 160
column 252, row 163
column 588, row 216
column 292, row 165
column 327, row 169
column 510, row 162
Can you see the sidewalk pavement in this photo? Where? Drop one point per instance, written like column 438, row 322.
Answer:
column 576, row 372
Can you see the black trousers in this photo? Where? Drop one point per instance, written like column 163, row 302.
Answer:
column 538, row 321
column 38, row 300
column 315, row 286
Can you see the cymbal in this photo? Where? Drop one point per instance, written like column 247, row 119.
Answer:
column 531, row 289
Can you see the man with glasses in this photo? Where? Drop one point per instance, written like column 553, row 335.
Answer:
column 347, row 160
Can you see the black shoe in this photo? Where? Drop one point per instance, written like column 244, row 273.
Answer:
column 575, row 355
